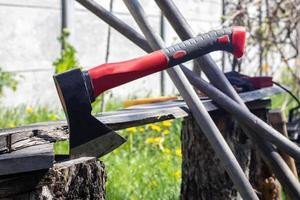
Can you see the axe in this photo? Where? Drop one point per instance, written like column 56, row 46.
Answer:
column 77, row 89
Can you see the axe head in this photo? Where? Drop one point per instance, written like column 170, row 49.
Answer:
column 88, row 136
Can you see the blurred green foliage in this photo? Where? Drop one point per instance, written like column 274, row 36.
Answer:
column 21, row 115
column 67, row 59
column 7, row 80
column 112, row 104
column 285, row 101
column 148, row 165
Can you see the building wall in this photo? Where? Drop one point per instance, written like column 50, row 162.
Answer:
column 28, row 38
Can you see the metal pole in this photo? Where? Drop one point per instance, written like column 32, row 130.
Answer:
column 162, row 35
column 202, row 117
column 67, row 18
column 139, row 40
column 260, row 47
column 222, row 21
column 217, row 78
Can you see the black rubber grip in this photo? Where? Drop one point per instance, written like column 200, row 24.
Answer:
column 200, row 45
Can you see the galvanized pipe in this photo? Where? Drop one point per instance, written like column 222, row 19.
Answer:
column 217, row 78
column 199, row 112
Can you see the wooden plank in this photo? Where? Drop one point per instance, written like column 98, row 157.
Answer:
column 28, row 159
column 49, row 133
column 129, row 117
column 176, row 109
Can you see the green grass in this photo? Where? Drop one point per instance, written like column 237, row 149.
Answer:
column 147, row 166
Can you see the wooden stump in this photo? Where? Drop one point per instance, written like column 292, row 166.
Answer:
column 203, row 176
column 82, row 178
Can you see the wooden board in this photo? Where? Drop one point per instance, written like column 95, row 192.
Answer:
column 139, row 115
column 27, row 159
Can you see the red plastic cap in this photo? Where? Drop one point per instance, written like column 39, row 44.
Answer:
column 238, row 41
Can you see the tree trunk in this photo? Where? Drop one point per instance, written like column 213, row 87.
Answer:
column 203, row 176
column 82, row 178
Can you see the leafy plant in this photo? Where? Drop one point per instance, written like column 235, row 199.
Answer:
column 148, row 165
column 7, row 80
column 67, row 59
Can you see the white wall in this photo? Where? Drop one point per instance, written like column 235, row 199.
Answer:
column 28, row 44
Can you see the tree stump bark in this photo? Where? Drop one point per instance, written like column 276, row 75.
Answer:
column 82, row 178
column 203, row 176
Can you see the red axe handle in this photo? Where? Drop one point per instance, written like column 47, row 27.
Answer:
column 110, row 75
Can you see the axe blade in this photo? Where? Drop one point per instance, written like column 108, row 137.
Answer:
column 88, row 136
column 92, row 138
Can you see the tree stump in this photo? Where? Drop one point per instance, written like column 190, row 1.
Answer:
column 203, row 176
column 82, row 178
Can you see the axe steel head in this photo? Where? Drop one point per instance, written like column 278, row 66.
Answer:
column 88, row 136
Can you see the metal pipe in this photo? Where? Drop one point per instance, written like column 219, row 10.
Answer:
column 67, row 18
column 162, row 35
column 217, row 78
column 139, row 40
column 199, row 112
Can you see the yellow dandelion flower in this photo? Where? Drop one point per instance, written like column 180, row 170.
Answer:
column 167, row 151
column 154, row 140
column 153, row 183
column 166, row 132
column 178, row 152
column 155, row 127
column 29, row 110
column 132, row 130
column 167, row 123
column 177, row 174
column 141, row 129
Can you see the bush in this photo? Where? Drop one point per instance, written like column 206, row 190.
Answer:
column 67, row 59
